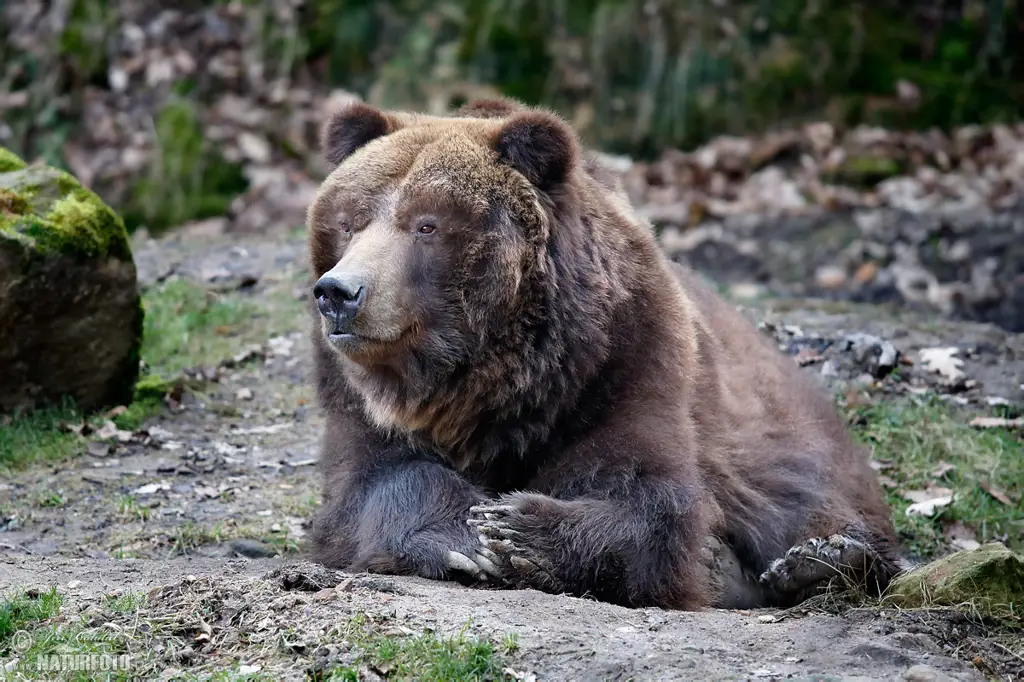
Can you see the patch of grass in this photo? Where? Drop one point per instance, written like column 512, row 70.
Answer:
column 129, row 509
column 188, row 326
column 141, row 409
column 424, row 656
column 69, row 651
column 36, row 437
column 51, row 499
column 23, row 611
column 931, row 445
column 190, row 536
column 129, row 602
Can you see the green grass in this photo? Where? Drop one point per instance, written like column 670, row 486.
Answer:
column 126, row 603
column 23, row 611
column 423, row 656
column 36, row 436
column 931, row 444
column 189, row 326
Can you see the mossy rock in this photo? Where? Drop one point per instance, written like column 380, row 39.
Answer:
column 9, row 161
column 989, row 579
column 70, row 311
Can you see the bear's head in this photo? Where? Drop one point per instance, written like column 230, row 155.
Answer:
column 431, row 244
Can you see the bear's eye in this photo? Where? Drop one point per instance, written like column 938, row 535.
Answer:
column 426, row 228
column 346, row 228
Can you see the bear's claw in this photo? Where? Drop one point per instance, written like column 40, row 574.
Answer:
column 520, row 566
column 481, row 566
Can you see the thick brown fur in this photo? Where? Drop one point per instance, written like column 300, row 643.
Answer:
column 525, row 349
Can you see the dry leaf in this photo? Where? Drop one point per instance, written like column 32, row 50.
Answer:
column 117, row 411
column 997, row 494
column 881, row 464
column 962, row 537
column 943, row 361
column 77, row 429
column 928, row 502
column 151, row 488
column 943, row 469
column 107, row 431
column 997, row 423
column 887, row 482
column 929, row 493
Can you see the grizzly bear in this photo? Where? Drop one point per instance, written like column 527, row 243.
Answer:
column 521, row 390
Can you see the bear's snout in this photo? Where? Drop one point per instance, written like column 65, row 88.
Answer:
column 339, row 301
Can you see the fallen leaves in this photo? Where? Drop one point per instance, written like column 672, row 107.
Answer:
column 997, row 423
column 151, row 488
column 997, row 494
column 961, row 537
column 943, row 361
column 928, row 501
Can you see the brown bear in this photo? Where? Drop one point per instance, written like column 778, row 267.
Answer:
column 521, row 389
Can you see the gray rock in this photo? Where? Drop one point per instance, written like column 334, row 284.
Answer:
column 875, row 356
column 253, row 549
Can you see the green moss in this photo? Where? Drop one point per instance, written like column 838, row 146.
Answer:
column 989, row 580
column 12, row 204
column 48, row 210
column 9, row 161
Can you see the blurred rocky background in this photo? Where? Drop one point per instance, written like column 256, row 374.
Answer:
column 859, row 150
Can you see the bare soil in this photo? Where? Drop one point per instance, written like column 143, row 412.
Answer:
column 211, row 507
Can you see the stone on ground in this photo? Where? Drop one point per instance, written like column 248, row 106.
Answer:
column 70, row 311
column 989, row 579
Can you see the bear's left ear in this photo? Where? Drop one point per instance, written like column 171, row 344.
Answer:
column 539, row 145
column 351, row 127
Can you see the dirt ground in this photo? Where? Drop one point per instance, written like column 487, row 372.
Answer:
column 208, row 504
column 559, row 637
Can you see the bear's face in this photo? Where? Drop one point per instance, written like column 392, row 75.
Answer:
column 429, row 236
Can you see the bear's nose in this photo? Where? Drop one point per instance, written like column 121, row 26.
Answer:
column 339, row 300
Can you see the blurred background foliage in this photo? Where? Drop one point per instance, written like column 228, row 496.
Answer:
column 642, row 75
column 634, row 76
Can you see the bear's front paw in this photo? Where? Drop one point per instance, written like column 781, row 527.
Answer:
column 503, row 529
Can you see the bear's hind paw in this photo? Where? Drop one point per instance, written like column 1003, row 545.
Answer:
column 813, row 563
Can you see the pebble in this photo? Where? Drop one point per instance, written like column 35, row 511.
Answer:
column 925, row 673
column 253, row 549
column 830, row 277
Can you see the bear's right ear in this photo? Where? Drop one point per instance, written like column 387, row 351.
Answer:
column 350, row 128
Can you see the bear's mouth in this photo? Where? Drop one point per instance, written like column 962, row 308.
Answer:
column 352, row 343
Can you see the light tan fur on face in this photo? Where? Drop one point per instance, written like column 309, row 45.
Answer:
column 376, row 256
